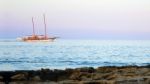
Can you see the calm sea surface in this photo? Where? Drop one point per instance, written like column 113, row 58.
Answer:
column 63, row 54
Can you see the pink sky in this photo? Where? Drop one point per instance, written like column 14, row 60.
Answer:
column 98, row 19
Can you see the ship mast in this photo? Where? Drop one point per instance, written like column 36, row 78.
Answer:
column 45, row 27
column 33, row 27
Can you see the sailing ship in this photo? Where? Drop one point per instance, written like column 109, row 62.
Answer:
column 38, row 38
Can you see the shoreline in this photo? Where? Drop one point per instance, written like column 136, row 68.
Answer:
column 83, row 75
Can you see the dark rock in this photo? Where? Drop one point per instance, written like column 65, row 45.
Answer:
column 86, row 69
column 85, row 75
column 36, row 78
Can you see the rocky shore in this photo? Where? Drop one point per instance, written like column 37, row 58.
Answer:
column 86, row 75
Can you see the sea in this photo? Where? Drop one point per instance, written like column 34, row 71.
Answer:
column 62, row 54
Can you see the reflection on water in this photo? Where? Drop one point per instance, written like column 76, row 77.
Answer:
column 72, row 53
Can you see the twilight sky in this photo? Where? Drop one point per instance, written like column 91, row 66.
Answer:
column 77, row 19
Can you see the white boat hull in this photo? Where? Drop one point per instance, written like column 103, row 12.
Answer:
column 49, row 40
column 39, row 41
